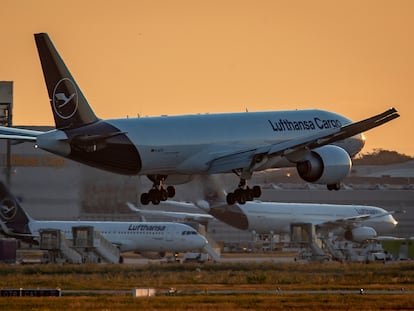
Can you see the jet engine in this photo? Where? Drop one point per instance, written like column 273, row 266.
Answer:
column 360, row 234
column 152, row 255
column 325, row 165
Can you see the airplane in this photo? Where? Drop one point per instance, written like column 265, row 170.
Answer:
column 150, row 239
column 356, row 223
column 319, row 143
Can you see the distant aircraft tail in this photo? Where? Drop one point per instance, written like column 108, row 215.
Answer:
column 70, row 107
column 212, row 192
column 14, row 221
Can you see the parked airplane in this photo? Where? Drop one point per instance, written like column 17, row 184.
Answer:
column 142, row 237
column 356, row 222
column 319, row 143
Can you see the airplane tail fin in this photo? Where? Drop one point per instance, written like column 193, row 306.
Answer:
column 69, row 106
column 13, row 219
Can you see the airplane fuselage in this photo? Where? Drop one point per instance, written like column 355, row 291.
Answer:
column 265, row 217
column 188, row 144
column 134, row 236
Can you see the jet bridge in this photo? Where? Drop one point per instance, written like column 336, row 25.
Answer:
column 325, row 247
column 87, row 245
column 93, row 246
column 58, row 247
column 305, row 235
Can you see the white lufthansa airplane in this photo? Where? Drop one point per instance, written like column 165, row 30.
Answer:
column 319, row 143
column 355, row 222
column 141, row 237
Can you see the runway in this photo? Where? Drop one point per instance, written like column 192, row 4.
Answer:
column 276, row 291
column 134, row 259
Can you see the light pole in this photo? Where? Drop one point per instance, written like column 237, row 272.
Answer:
column 6, row 119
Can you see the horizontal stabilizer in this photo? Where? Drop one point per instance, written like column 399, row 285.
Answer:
column 84, row 139
column 12, row 133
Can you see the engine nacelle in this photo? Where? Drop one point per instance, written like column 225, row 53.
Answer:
column 153, row 255
column 325, row 165
column 360, row 234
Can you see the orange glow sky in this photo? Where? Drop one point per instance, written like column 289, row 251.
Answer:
column 158, row 57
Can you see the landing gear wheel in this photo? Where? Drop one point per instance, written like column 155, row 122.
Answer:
column 242, row 195
column 230, row 198
column 145, row 199
column 164, row 195
column 158, row 193
column 257, row 191
column 248, row 194
column 171, row 191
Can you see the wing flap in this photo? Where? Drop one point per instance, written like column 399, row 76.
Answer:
column 84, row 139
column 232, row 162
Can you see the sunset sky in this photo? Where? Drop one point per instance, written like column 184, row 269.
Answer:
column 133, row 57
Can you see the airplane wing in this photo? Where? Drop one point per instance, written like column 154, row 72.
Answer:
column 349, row 221
column 343, row 222
column 177, row 215
column 246, row 158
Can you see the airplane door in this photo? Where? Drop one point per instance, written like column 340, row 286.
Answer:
column 169, row 235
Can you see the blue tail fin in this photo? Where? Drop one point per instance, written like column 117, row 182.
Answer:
column 12, row 215
column 70, row 107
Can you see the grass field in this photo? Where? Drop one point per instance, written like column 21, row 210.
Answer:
column 203, row 280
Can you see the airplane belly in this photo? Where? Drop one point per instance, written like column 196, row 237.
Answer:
column 159, row 159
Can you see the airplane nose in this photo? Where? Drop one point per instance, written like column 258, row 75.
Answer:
column 201, row 241
column 393, row 221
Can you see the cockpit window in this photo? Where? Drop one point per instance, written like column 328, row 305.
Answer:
column 188, row 233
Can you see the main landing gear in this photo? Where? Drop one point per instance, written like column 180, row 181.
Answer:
column 157, row 193
column 243, row 193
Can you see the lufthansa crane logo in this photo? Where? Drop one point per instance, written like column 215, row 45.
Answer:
column 8, row 209
column 65, row 99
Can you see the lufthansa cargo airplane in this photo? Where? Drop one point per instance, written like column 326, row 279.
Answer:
column 319, row 143
column 141, row 237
